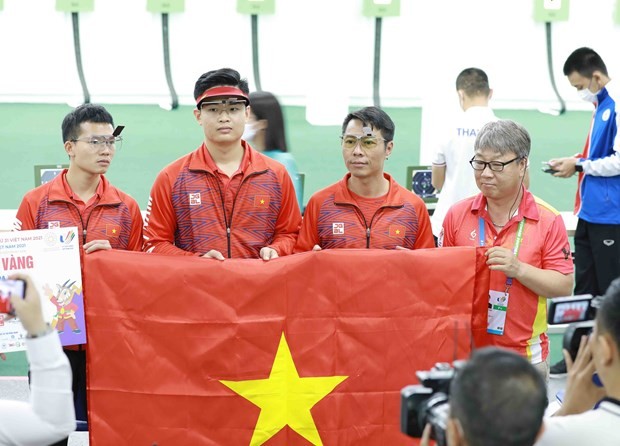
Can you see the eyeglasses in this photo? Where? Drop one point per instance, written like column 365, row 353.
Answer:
column 366, row 142
column 218, row 107
column 99, row 142
column 495, row 166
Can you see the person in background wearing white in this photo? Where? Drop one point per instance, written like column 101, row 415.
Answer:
column 451, row 173
column 49, row 416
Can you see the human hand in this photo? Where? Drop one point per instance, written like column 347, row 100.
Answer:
column 503, row 259
column 213, row 254
column 28, row 309
column 565, row 166
column 316, row 248
column 426, row 435
column 268, row 253
column 581, row 393
column 96, row 245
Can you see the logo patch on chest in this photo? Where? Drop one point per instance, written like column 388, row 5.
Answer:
column 338, row 228
column 112, row 230
column 397, row 231
column 261, row 201
column 194, row 199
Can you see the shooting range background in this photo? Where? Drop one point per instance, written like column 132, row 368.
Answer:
column 317, row 57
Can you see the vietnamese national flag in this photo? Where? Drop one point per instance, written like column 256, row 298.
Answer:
column 311, row 348
column 112, row 230
column 261, row 201
column 397, row 231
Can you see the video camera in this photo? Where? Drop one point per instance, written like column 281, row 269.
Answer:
column 577, row 311
column 428, row 402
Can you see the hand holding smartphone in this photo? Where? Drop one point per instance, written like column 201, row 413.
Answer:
column 547, row 168
column 8, row 288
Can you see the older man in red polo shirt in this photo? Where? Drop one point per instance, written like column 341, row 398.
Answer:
column 528, row 250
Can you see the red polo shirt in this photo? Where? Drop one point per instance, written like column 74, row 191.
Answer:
column 545, row 245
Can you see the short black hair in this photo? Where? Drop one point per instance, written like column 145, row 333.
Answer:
column 266, row 106
column 474, row 82
column 499, row 399
column 222, row 77
column 372, row 117
column 608, row 315
column 584, row 61
column 84, row 113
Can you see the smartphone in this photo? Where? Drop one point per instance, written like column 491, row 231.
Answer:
column 547, row 168
column 8, row 288
column 564, row 310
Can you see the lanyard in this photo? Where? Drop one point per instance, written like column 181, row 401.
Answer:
column 515, row 249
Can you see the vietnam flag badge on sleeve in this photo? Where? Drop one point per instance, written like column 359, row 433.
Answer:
column 261, row 201
column 397, row 231
column 112, row 230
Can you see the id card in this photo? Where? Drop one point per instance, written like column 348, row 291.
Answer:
column 498, row 306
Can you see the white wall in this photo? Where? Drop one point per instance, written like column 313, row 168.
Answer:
column 306, row 47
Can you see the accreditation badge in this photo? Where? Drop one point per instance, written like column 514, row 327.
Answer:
column 498, row 306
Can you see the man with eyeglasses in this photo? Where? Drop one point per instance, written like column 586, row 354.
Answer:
column 81, row 196
column 225, row 199
column 367, row 208
column 527, row 247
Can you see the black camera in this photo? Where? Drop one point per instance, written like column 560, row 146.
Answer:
column 577, row 311
column 428, row 402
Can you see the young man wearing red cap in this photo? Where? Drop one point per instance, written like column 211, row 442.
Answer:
column 223, row 200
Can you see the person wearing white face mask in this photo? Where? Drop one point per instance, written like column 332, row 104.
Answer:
column 597, row 204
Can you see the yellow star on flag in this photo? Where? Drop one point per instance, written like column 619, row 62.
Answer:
column 285, row 398
column 262, row 202
column 113, row 231
column 398, row 231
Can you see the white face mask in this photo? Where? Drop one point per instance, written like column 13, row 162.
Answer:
column 249, row 132
column 587, row 95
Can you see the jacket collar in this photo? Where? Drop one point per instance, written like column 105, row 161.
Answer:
column 57, row 191
column 394, row 196
column 252, row 161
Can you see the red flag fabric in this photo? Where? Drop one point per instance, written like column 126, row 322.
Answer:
column 311, row 348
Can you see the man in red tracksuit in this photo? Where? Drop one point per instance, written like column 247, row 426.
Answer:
column 366, row 209
column 81, row 196
column 224, row 199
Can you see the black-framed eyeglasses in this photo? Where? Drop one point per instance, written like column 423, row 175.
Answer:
column 366, row 142
column 495, row 166
column 99, row 142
